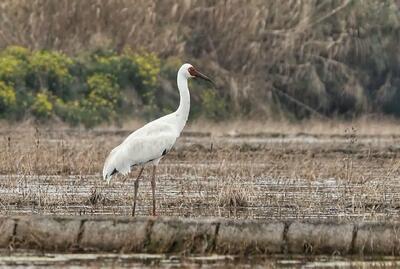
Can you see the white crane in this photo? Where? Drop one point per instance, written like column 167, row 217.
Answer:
column 150, row 143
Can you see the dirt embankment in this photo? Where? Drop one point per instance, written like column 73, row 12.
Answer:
column 197, row 236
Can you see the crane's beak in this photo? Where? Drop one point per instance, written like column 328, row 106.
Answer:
column 197, row 74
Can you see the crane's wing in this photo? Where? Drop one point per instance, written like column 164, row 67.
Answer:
column 139, row 148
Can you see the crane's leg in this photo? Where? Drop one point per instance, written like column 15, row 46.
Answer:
column 153, row 189
column 136, row 190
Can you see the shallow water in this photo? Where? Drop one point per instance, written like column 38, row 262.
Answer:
column 266, row 198
column 54, row 260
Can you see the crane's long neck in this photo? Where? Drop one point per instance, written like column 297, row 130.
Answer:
column 182, row 113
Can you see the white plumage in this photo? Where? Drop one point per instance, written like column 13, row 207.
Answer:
column 147, row 144
column 150, row 143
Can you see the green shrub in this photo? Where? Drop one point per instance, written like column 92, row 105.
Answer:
column 50, row 70
column 18, row 52
column 14, row 65
column 148, row 65
column 12, row 69
column 70, row 112
column 148, row 69
column 103, row 89
column 101, row 103
column 42, row 107
column 51, row 62
column 169, row 68
column 88, row 89
column 120, row 66
column 7, row 97
column 213, row 105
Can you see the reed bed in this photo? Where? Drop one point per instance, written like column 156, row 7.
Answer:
column 278, row 59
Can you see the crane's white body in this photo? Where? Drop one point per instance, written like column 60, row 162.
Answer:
column 151, row 142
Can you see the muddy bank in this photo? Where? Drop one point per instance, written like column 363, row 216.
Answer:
column 197, row 236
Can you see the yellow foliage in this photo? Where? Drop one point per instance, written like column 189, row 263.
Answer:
column 51, row 62
column 11, row 68
column 17, row 51
column 149, row 66
column 7, row 96
column 42, row 107
column 102, row 90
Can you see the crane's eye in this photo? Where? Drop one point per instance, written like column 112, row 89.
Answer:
column 192, row 71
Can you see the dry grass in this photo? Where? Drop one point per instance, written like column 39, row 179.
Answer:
column 374, row 126
column 247, row 176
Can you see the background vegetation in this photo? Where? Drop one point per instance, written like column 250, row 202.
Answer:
column 85, row 62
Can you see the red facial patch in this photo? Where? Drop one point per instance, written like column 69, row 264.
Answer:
column 192, row 71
